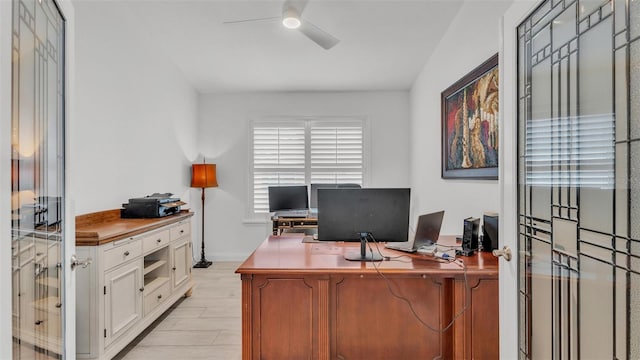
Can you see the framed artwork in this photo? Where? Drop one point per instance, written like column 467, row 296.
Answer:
column 470, row 125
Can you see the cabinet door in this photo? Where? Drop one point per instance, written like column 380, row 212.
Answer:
column 476, row 332
column 16, row 301
column 27, row 299
column 181, row 254
column 123, row 299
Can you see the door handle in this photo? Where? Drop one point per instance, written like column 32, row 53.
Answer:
column 505, row 253
column 75, row 262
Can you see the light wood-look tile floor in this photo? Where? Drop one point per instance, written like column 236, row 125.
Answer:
column 206, row 325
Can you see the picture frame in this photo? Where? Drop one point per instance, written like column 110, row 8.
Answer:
column 470, row 124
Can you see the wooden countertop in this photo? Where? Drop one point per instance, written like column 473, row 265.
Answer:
column 288, row 255
column 106, row 226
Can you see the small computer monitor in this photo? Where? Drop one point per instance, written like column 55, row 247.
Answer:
column 314, row 190
column 288, row 198
column 344, row 214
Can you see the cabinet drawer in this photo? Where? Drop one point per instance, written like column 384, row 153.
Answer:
column 156, row 297
column 180, row 230
column 155, row 241
column 122, row 253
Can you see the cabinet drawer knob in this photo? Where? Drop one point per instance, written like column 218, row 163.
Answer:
column 159, row 241
column 174, row 268
column 141, row 289
column 126, row 253
column 38, row 322
column 181, row 231
column 159, row 296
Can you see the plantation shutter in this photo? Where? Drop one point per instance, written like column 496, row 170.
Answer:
column 303, row 152
column 278, row 159
column 571, row 152
column 337, row 153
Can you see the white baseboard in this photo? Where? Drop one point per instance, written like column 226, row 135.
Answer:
column 239, row 257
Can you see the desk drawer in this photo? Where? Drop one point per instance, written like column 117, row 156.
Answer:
column 122, row 253
column 156, row 297
column 304, row 223
column 180, row 230
column 155, row 241
column 284, row 223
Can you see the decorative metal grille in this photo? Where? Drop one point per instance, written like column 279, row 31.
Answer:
column 37, row 179
column 579, row 177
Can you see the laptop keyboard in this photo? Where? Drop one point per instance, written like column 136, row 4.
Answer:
column 402, row 247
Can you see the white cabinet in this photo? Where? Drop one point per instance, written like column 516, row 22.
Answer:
column 130, row 283
column 37, row 304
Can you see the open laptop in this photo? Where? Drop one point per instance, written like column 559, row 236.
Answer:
column 427, row 233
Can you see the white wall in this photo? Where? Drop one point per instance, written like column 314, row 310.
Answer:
column 223, row 139
column 472, row 38
column 136, row 122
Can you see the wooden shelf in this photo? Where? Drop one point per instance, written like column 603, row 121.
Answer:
column 150, row 265
column 48, row 304
column 151, row 284
column 52, row 282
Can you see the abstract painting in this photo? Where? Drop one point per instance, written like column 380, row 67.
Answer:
column 470, row 117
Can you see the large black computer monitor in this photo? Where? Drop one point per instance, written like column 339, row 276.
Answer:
column 288, row 197
column 314, row 191
column 350, row 214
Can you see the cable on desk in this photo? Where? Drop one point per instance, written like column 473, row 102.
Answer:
column 449, row 246
column 385, row 257
column 408, row 302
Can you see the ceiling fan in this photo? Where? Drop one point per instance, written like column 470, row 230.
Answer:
column 292, row 19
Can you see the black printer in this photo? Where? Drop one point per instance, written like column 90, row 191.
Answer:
column 151, row 206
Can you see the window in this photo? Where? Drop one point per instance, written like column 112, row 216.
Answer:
column 299, row 152
column 571, row 151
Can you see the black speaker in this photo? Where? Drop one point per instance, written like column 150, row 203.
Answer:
column 470, row 236
column 490, row 232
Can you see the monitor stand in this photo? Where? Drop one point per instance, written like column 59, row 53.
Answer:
column 363, row 255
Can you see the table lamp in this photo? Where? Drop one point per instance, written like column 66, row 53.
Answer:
column 203, row 176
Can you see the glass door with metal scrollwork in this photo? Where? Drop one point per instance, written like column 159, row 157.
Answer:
column 37, row 179
column 579, row 180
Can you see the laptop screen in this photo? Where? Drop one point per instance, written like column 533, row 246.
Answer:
column 428, row 229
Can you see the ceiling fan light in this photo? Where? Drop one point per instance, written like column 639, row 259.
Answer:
column 291, row 19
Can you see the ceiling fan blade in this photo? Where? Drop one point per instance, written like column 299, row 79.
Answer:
column 252, row 20
column 299, row 5
column 317, row 35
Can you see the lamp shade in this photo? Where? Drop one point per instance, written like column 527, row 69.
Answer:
column 203, row 176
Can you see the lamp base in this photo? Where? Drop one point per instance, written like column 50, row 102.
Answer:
column 203, row 263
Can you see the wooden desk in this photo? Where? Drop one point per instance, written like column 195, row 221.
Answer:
column 289, row 224
column 304, row 301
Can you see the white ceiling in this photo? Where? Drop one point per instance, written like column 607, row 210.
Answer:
column 383, row 43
